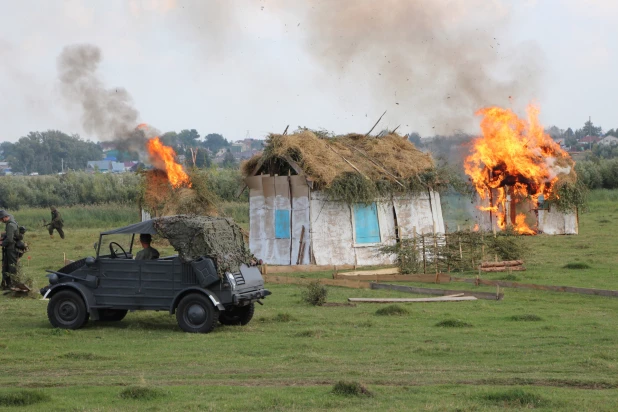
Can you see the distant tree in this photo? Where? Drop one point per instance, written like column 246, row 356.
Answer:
column 49, row 152
column 188, row 138
column 589, row 129
column 611, row 132
column 215, row 142
column 229, row 161
column 202, row 158
column 415, row 138
column 555, row 132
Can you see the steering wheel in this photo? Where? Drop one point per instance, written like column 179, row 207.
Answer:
column 113, row 252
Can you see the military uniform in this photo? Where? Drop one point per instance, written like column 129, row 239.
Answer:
column 147, row 253
column 56, row 223
column 10, row 253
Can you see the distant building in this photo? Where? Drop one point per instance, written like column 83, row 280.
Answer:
column 589, row 140
column 106, row 166
column 609, row 140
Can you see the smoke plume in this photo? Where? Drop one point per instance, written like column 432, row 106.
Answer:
column 107, row 114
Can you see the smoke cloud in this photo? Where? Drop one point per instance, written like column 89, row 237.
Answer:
column 107, row 114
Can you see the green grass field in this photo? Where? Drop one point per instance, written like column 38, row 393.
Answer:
column 541, row 350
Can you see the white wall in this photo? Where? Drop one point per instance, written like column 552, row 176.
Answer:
column 557, row 223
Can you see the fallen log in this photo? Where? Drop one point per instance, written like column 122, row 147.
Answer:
column 503, row 269
column 443, row 292
column 405, row 300
column 516, row 285
column 386, row 271
column 502, row 263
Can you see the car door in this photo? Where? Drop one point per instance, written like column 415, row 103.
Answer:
column 157, row 282
column 119, row 281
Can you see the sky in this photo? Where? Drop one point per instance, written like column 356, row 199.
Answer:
column 245, row 68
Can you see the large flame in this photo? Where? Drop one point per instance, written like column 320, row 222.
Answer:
column 163, row 157
column 514, row 159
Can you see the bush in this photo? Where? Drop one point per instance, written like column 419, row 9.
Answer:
column 392, row 310
column 344, row 388
column 315, row 293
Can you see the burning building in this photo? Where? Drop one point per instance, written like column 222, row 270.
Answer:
column 516, row 169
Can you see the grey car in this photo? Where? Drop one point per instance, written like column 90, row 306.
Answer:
column 106, row 287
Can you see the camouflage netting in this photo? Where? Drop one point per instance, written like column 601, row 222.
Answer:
column 217, row 237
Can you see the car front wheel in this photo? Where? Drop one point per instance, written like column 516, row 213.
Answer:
column 66, row 310
column 196, row 314
column 240, row 315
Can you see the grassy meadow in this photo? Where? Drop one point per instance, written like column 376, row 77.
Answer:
column 532, row 350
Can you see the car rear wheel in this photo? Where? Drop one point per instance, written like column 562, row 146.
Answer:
column 239, row 315
column 66, row 310
column 196, row 314
column 112, row 315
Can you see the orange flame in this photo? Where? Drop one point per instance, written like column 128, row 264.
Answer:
column 514, row 159
column 163, row 157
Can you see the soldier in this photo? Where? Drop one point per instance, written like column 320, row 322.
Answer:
column 56, row 223
column 148, row 252
column 9, row 250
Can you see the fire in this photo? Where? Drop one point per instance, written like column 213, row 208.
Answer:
column 514, row 159
column 163, row 157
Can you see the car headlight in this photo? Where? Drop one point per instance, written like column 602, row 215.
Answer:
column 231, row 279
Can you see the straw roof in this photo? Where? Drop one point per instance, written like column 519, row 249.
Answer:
column 322, row 160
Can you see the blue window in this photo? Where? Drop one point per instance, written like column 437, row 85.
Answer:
column 366, row 224
column 282, row 224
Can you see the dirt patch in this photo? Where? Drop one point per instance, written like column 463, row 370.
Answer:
column 216, row 237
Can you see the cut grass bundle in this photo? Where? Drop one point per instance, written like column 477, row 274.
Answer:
column 142, row 393
column 576, row 265
column 392, row 310
column 344, row 388
column 526, row 318
column 517, row 398
column 22, row 398
column 453, row 323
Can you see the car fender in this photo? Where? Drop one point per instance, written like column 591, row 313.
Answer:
column 84, row 292
column 206, row 292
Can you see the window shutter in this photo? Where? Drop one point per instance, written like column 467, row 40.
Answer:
column 282, row 224
column 366, row 224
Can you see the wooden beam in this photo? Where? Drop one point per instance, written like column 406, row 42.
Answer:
column 347, row 161
column 551, row 288
column 374, row 126
column 405, row 300
column 442, row 277
column 442, row 292
column 293, row 164
column 502, row 263
column 307, row 268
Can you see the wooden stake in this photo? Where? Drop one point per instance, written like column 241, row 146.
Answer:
column 374, row 126
column 424, row 259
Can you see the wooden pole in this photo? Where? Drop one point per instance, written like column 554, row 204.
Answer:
column 460, row 251
column 424, row 259
column 374, row 126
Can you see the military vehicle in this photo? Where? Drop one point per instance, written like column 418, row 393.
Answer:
column 107, row 286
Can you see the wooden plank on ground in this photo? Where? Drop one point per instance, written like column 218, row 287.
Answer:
column 289, row 280
column 386, row 271
column 405, row 300
column 307, row 268
column 503, row 268
column 442, row 278
column 443, row 292
column 516, row 285
column 502, row 263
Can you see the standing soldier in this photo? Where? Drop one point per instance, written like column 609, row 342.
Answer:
column 56, row 223
column 9, row 250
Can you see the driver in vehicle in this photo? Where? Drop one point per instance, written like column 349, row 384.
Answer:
column 148, row 252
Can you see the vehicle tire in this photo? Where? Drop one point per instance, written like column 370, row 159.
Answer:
column 239, row 315
column 196, row 314
column 112, row 315
column 67, row 310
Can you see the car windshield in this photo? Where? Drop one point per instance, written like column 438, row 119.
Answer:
column 116, row 245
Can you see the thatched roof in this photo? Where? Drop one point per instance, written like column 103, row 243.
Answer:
column 322, row 160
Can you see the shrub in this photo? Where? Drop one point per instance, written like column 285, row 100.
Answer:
column 453, row 323
column 22, row 398
column 344, row 388
column 315, row 293
column 392, row 310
